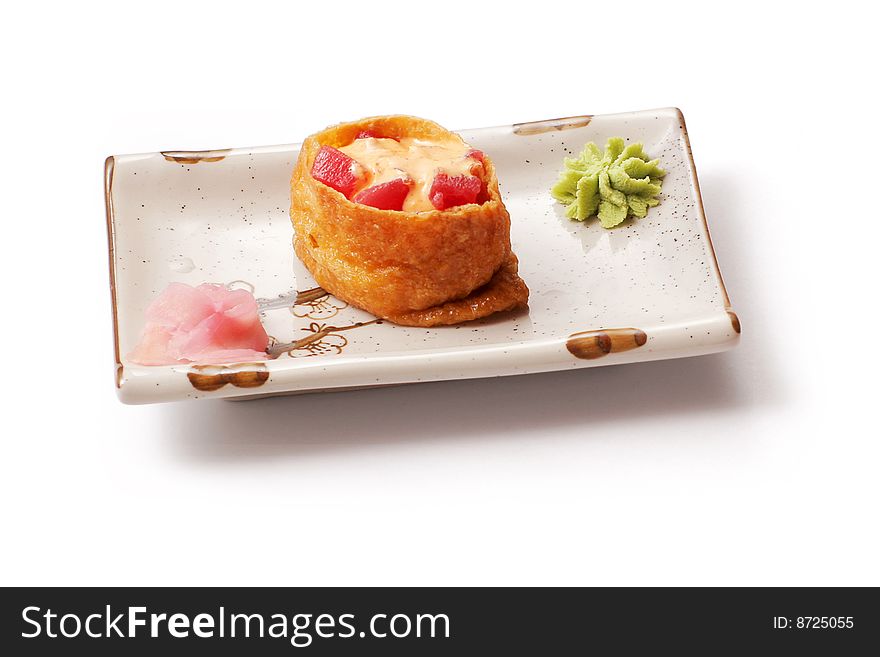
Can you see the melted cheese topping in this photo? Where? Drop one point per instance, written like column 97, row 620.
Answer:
column 416, row 159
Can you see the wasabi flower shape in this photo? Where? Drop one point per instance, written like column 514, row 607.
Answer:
column 614, row 185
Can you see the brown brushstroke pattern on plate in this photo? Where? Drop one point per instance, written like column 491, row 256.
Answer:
column 701, row 210
column 208, row 378
column 109, row 166
column 320, row 340
column 317, row 304
column 549, row 125
column 596, row 344
column 194, row 157
column 310, row 295
column 734, row 321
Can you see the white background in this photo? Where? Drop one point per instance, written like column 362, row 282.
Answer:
column 758, row 466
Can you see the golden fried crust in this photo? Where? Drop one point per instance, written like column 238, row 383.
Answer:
column 403, row 266
column 505, row 291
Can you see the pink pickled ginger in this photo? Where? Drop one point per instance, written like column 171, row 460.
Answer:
column 206, row 324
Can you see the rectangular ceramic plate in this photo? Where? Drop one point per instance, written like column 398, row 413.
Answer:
column 647, row 290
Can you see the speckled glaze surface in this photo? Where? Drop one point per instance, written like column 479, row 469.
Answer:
column 647, row 290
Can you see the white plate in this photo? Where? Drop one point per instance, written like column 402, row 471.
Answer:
column 647, row 290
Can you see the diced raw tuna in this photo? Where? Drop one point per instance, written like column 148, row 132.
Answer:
column 449, row 191
column 477, row 168
column 337, row 170
column 385, row 196
column 204, row 324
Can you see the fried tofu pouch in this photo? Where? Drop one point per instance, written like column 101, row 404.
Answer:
column 412, row 268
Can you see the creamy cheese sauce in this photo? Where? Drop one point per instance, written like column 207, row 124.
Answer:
column 416, row 159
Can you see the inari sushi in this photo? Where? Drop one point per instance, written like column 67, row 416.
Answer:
column 400, row 217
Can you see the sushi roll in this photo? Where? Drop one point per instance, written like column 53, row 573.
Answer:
column 402, row 218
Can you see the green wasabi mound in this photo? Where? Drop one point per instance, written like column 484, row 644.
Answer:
column 619, row 183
